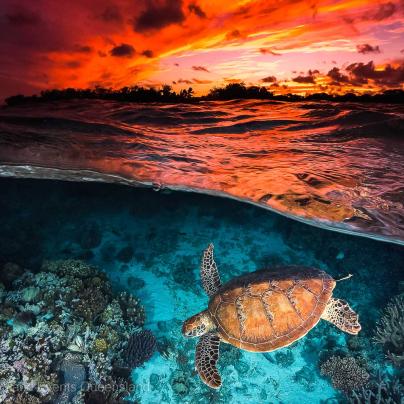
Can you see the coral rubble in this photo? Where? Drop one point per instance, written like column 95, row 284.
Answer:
column 64, row 336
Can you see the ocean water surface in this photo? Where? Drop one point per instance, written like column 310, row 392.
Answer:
column 338, row 165
column 96, row 279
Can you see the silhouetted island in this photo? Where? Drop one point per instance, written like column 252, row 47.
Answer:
column 166, row 94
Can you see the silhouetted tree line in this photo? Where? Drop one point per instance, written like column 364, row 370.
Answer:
column 135, row 93
column 167, row 94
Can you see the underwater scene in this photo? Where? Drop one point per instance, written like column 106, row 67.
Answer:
column 202, row 202
column 97, row 280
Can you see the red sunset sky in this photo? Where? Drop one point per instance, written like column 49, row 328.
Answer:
column 286, row 45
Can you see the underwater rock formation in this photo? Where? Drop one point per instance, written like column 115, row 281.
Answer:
column 10, row 273
column 90, row 236
column 390, row 330
column 125, row 254
column 345, row 373
column 63, row 326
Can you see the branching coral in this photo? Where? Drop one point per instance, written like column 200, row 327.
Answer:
column 345, row 373
column 132, row 309
column 383, row 390
column 390, row 330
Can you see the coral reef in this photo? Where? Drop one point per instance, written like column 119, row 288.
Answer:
column 179, row 383
column 390, row 330
column 345, row 373
column 140, row 348
column 383, row 389
column 284, row 358
column 63, row 326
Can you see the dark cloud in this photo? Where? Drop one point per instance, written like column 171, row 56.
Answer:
column 381, row 12
column 384, row 11
column 266, row 51
column 390, row 75
column 83, row 48
column 159, row 14
column 304, row 79
column 366, row 48
column 111, row 14
column 233, row 35
column 176, row 64
column 269, row 79
column 199, row 81
column 123, row 50
column 337, row 77
column 200, row 69
column 148, row 53
column 181, row 81
column 361, row 72
column 23, row 17
column 194, row 8
column 309, row 79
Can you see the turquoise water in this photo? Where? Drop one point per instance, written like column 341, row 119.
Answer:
column 149, row 244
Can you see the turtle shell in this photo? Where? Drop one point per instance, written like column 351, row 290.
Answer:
column 269, row 309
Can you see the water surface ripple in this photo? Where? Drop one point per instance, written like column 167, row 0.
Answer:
column 332, row 165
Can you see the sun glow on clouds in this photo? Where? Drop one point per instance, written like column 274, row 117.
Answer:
column 202, row 43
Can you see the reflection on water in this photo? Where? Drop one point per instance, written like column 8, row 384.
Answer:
column 334, row 164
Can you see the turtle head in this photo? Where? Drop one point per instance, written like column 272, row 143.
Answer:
column 197, row 325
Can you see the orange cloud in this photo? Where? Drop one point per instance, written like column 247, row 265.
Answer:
column 48, row 44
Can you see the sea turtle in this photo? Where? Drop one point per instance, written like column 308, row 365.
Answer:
column 262, row 311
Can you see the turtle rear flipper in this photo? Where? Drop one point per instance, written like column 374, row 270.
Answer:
column 206, row 357
column 209, row 273
column 342, row 316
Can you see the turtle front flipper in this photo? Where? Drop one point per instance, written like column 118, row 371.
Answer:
column 342, row 316
column 209, row 273
column 206, row 357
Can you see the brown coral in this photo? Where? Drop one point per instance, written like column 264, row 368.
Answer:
column 345, row 373
column 133, row 311
column 76, row 268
